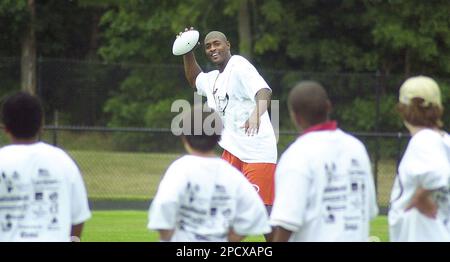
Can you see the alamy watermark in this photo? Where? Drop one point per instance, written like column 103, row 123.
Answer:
column 182, row 122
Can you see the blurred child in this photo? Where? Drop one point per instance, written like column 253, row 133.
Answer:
column 42, row 194
column 420, row 198
column 202, row 197
column 324, row 189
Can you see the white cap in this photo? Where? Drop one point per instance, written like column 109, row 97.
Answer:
column 421, row 87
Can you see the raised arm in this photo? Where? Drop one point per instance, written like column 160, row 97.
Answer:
column 191, row 68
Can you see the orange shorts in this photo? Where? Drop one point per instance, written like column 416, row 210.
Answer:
column 261, row 175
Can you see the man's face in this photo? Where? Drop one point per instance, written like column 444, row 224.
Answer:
column 217, row 50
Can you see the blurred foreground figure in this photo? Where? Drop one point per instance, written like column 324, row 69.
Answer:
column 42, row 195
column 201, row 196
column 324, row 189
column 420, row 196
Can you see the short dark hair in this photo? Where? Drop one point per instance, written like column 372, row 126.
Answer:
column 22, row 115
column 200, row 138
column 309, row 100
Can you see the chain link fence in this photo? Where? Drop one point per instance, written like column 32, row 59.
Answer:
column 119, row 177
column 114, row 119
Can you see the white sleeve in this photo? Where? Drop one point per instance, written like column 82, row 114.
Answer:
column 429, row 163
column 201, row 83
column 79, row 201
column 250, row 79
column 164, row 207
column 251, row 214
column 291, row 192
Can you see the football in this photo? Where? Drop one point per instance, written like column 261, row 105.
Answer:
column 185, row 42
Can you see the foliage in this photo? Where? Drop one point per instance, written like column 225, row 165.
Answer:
column 13, row 19
column 411, row 35
column 385, row 40
column 63, row 29
column 359, row 115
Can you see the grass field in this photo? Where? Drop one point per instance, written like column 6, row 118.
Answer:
column 131, row 226
column 121, row 175
column 124, row 175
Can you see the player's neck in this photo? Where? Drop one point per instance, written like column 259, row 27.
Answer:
column 416, row 129
column 21, row 141
column 195, row 152
column 222, row 66
column 24, row 141
column 203, row 154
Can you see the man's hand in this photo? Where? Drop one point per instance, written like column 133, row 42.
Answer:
column 185, row 30
column 251, row 126
column 424, row 203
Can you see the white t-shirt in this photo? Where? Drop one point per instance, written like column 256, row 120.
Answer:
column 233, row 92
column 426, row 164
column 41, row 194
column 324, row 189
column 202, row 198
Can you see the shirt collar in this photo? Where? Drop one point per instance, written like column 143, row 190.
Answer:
column 325, row 126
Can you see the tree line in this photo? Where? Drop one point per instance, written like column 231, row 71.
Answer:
column 389, row 40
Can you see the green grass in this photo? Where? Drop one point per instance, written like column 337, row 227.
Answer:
column 118, row 226
column 131, row 226
column 110, row 174
column 123, row 175
column 379, row 228
column 386, row 175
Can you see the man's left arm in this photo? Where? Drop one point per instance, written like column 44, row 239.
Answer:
column 262, row 99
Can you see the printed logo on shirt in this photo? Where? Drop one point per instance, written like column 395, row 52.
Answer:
column 256, row 187
column 7, row 224
column 200, row 209
column 221, row 103
column 335, row 193
column 8, row 184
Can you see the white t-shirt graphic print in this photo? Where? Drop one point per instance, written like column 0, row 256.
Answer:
column 232, row 94
column 41, row 194
column 202, row 198
column 426, row 164
column 324, row 189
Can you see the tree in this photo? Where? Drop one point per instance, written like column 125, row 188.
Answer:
column 331, row 37
column 13, row 20
column 20, row 20
column 411, row 37
column 143, row 32
column 28, row 62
